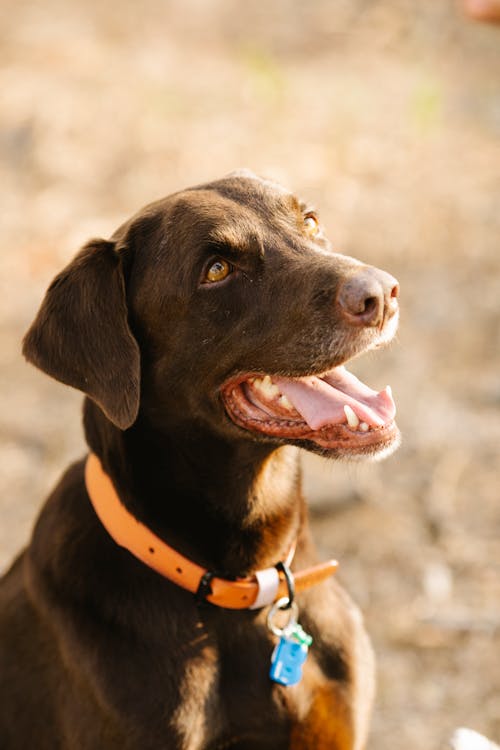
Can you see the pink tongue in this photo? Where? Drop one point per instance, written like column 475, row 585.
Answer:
column 320, row 401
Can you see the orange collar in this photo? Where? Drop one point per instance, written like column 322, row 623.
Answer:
column 259, row 590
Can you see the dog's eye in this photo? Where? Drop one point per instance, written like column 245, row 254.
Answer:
column 311, row 224
column 218, row 271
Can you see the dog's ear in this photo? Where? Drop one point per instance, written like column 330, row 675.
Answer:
column 81, row 334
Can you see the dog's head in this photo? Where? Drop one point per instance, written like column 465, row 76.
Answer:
column 224, row 306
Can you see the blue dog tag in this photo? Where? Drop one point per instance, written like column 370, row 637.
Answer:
column 289, row 656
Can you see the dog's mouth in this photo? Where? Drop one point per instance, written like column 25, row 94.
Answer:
column 335, row 410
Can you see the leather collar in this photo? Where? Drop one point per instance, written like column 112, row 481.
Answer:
column 251, row 592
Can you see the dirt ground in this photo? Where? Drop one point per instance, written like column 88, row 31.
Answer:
column 384, row 113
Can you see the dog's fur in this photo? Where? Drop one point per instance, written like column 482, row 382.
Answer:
column 98, row 651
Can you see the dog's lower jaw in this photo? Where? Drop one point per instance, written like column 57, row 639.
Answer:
column 371, row 453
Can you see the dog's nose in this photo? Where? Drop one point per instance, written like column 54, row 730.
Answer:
column 369, row 297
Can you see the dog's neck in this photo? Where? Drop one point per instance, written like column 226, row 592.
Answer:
column 235, row 506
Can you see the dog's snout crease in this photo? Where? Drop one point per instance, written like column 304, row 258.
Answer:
column 369, row 297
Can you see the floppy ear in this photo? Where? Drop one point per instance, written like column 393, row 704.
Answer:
column 81, row 334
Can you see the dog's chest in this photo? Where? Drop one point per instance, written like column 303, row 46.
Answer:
column 226, row 694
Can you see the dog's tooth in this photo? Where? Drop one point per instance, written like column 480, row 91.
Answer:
column 364, row 427
column 352, row 417
column 285, row 401
column 388, row 390
column 257, row 382
column 269, row 388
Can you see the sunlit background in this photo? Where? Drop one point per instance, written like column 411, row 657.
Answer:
column 386, row 115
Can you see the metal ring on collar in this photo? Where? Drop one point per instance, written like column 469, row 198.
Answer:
column 290, row 582
column 282, row 604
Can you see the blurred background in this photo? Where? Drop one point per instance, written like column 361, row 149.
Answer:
column 386, row 115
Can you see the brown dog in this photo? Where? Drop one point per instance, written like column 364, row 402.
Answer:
column 209, row 336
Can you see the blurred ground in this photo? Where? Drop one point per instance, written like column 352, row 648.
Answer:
column 387, row 115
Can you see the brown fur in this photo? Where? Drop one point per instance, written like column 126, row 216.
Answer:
column 97, row 651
